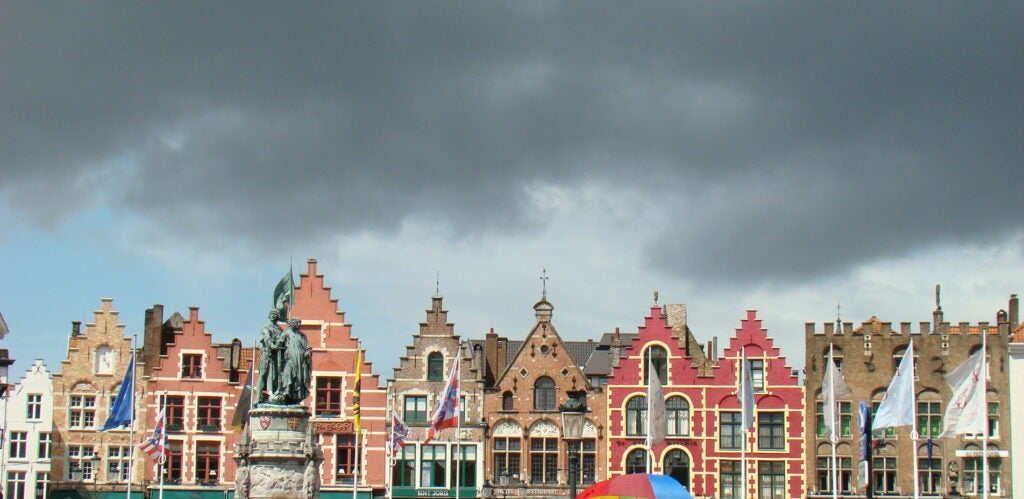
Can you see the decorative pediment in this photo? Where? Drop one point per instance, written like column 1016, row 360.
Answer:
column 508, row 429
column 544, row 429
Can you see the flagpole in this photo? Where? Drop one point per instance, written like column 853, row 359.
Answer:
column 131, row 426
column 163, row 438
column 832, row 437
column 914, row 436
column 984, row 394
column 389, row 447
column 458, row 421
column 648, row 441
column 743, row 410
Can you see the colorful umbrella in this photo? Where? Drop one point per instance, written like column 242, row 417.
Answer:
column 637, row 486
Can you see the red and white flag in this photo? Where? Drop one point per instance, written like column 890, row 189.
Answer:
column 446, row 414
column 156, row 445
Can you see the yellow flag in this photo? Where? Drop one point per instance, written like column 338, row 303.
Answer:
column 356, row 392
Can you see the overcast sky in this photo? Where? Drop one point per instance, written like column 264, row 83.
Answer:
column 771, row 156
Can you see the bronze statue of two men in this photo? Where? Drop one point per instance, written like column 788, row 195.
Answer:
column 286, row 362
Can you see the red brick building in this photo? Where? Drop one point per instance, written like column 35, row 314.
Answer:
column 703, row 447
column 198, row 384
column 525, row 452
column 334, row 363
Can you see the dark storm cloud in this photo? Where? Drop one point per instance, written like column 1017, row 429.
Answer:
column 788, row 140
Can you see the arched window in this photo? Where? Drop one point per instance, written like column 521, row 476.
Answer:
column 506, row 401
column 657, row 356
column 678, row 411
column 677, row 465
column 104, row 360
column 435, row 366
column 544, row 394
column 636, row 461
column 636, row 416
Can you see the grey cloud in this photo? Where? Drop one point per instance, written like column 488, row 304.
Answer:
column 881, row 129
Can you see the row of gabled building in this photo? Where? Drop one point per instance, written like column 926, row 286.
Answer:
column 511, row 441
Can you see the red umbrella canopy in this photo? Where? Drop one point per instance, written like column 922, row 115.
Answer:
column 637, row 486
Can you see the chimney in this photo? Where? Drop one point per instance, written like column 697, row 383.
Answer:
column 616, row 348
column 1014, row 312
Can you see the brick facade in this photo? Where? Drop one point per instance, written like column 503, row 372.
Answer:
column 83, row 390
column 700, row 392
column 525, row 452
column 867, row 356
column 413, row 393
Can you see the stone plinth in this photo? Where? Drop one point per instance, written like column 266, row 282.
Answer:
column 279, row 457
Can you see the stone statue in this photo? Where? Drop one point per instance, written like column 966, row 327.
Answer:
column 297, row 371
column 271, row 345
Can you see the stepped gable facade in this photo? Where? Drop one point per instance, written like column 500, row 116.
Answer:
column 702, row 449
column 28, row 409
column 197, row 385
column 868, row 356
column 525, row 454
column 83, row 458
column 334, row 363
column 413, row 393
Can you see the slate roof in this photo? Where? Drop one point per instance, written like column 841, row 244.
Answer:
column 600, row 361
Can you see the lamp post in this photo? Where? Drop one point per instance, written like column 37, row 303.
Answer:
column 572, row 431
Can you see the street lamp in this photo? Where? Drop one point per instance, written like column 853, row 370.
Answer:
column 572, row 431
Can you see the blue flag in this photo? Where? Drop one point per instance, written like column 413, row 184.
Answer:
column 122, row 410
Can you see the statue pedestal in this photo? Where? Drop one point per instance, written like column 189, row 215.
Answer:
column 279, row 457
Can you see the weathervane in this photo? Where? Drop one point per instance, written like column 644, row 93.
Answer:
column 655, row 296
column 544, row 283
column 437, row 284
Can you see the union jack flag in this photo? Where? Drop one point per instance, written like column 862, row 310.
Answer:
column 446, row 414
column 156, row 445
column 399, row 432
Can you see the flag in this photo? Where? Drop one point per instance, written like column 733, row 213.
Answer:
column 241, row 416
column 3, row 327
column 864, row 412
column 399, row 432
column 656, row 407
column 746, row 390
column 897, row 408
column 966, row 412
column 357, row 391
column 121, row 411
column 446, row 414
column 156, row 445
column 284, row 292
column 832, row 387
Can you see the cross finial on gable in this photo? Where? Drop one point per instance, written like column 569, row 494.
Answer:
column 544, row 283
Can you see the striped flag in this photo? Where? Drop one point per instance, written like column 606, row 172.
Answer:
column 399, row 432
column 357, row 391
column 446, row 415
column 156, row 445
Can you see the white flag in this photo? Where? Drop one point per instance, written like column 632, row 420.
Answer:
column 746, row 394
column 897, row 409
column 966, row 412
column 656, row 407
column 833, row 387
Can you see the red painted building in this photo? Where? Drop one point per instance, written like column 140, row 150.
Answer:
column 703, row 447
